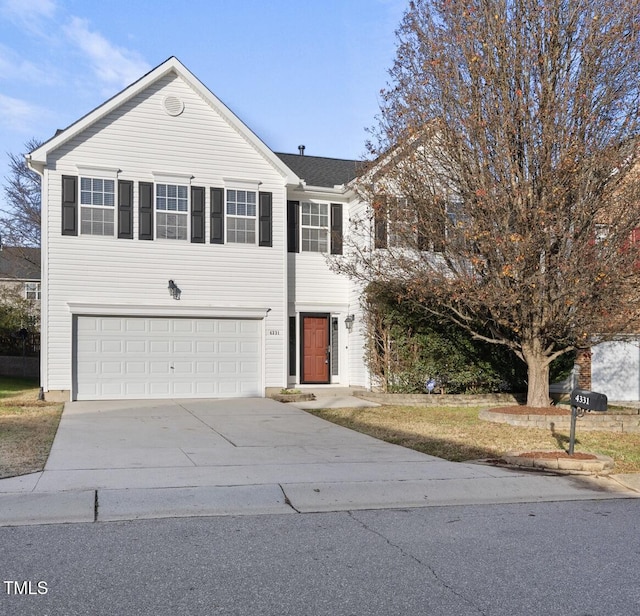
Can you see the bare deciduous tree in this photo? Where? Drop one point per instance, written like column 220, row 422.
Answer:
column 510, row 130
column 20, row 213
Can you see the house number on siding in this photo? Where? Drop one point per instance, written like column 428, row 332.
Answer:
column 274, row 332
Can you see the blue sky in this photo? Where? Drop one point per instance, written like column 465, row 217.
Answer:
column 295, row 71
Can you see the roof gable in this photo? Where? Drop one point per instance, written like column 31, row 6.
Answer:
column 38, row 158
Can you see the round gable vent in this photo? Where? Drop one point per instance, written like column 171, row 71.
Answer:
column 173, row 105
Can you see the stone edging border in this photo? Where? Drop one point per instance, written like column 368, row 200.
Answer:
column 601, row 465
column 601, row 422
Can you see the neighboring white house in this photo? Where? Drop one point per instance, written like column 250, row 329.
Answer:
column 183, row 258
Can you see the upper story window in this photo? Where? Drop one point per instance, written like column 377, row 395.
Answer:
column 241, row 216
column 398, row 224
column 32, row 290
column 97, row 205
column 172, row 212
column 315, row 227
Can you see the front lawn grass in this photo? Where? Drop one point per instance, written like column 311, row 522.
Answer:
column 457, row 434
column 27, row 427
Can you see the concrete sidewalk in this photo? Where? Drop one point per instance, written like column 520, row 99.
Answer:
column 123, row 460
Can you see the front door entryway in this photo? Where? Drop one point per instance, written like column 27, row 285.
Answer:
column 315, row 348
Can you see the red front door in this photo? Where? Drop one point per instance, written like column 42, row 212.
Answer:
column 315, row 349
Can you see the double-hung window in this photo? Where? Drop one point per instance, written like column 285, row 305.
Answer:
column 241, row 216
column 97, row 205
column 315, row 227
column 172, row 212
column 32, row 290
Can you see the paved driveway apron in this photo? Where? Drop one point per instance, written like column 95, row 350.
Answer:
column 139, row 459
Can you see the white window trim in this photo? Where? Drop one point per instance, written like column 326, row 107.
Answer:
column 246, row 186
column 95, row 173
column 163, row 177
column 327, row 228
column 109, row 173
column 37, row 290
column 156, row 210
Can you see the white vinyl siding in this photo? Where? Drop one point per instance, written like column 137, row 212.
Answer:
column 142, row 141
column 97, row 205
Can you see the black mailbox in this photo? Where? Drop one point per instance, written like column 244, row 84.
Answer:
column 588, row 400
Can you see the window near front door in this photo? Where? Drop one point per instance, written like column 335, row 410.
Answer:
column 241, row 216
column 315, row 227
column 97, row 205
column 172, row 212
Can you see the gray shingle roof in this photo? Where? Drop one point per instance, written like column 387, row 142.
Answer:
column 321, row 171
column 18, row 263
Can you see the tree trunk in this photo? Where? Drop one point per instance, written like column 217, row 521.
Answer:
column 538, row 377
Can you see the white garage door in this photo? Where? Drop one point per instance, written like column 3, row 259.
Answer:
column 136, row 357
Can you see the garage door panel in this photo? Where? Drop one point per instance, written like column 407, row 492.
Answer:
column 184, row 326
column 187, row 347
column 140, row 357
column 161, row 347
column 135, row 346
column 135, row 367
column 112, row 325
column 135, row 325
column 111, row 346
column 159, row 326
column 111, row 367
column 205, row 346
column 206, row 326
column 159, row 367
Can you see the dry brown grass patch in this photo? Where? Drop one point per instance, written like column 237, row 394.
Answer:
column 27, row 428
column 457, row 434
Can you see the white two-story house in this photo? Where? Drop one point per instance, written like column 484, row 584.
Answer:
column 181, row 257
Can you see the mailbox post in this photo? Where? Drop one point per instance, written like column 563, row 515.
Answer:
column 583, row 400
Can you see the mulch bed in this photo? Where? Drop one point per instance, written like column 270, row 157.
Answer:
column 552, row 455
column 530, row 410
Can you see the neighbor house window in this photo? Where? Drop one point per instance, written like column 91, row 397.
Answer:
column 172, row 212
column 32, row 290
column 241, row 216
column 97, row 205
column 315, row 227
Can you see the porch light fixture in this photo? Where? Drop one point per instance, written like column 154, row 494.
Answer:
column 349, row 322
column 174, row 291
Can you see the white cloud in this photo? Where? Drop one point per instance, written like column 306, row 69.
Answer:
column 28, row 13
column 113, row 65
column 18, row 115
column 15, row 68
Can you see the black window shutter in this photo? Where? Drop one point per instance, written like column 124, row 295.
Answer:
column 380, row 221
column 336, row 228
column 197, row 214
column 145, row 210
column 292, row 346
column 265, row 219
column 125, row 209
column 439, row 226
column 293, row 215
column 69, row 205
column 217, row 215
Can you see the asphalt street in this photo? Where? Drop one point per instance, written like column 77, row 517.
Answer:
column 571, row 558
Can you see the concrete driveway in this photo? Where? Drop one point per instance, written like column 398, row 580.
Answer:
column 137, row 459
